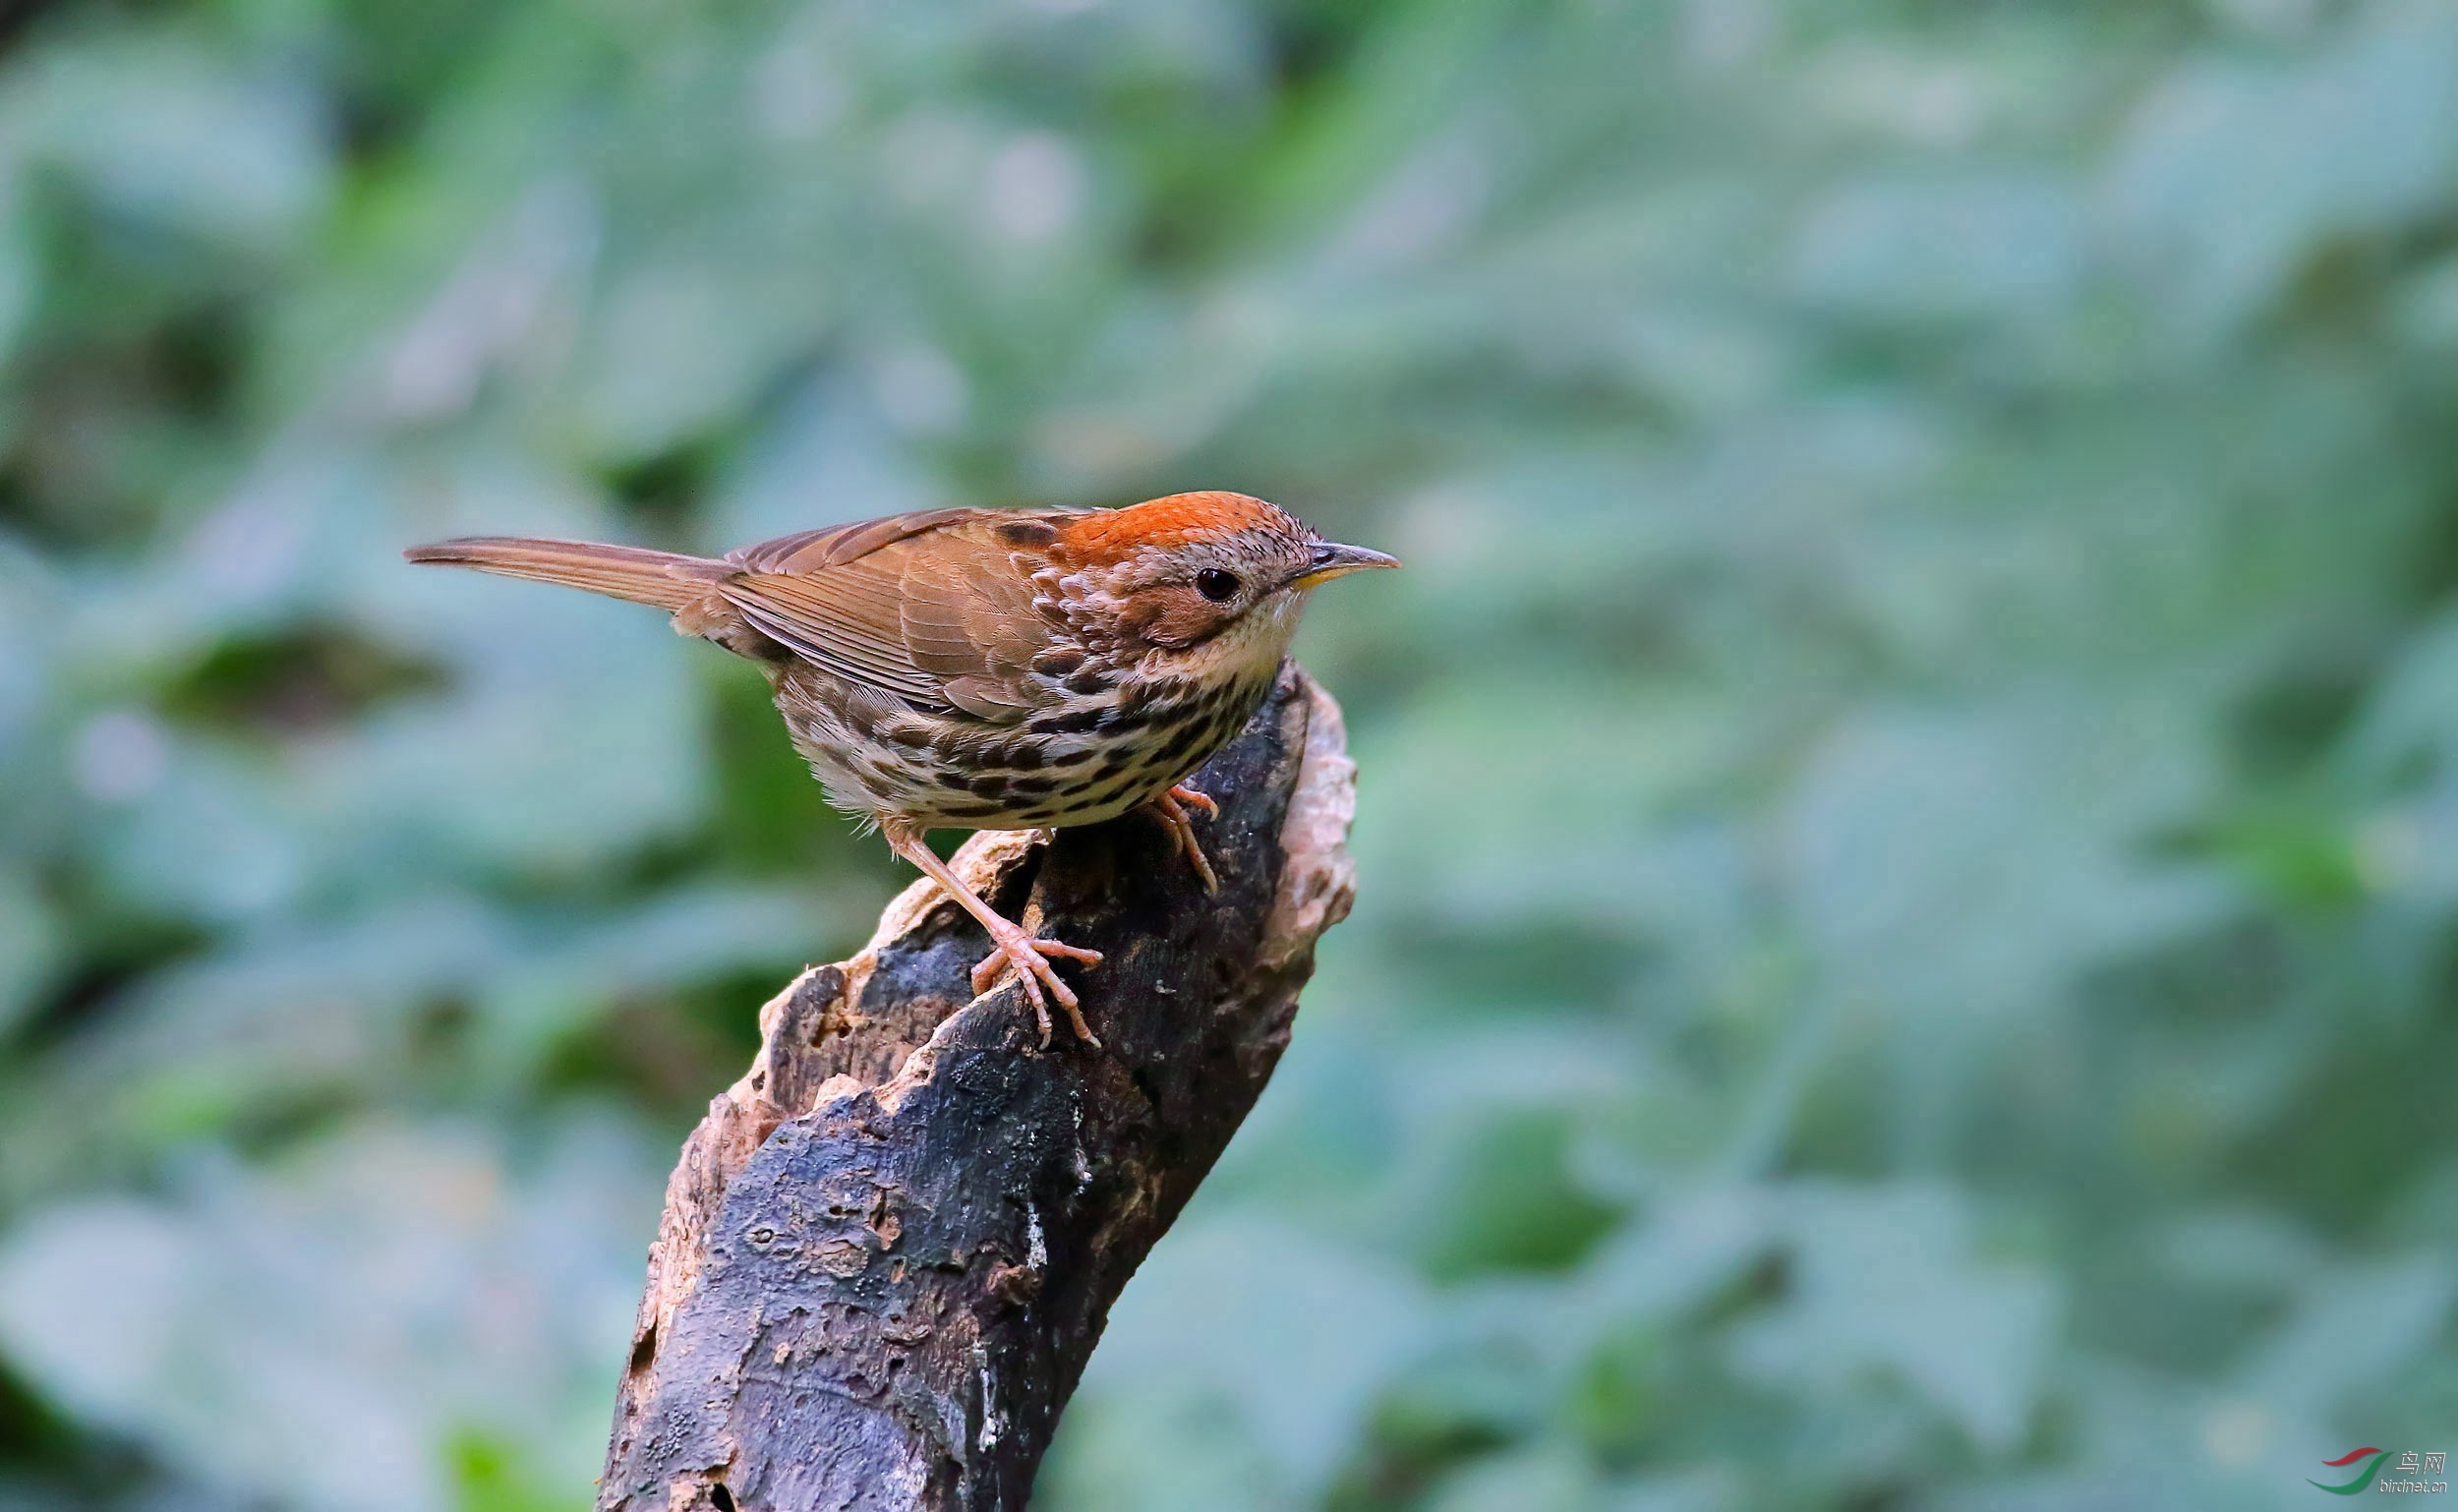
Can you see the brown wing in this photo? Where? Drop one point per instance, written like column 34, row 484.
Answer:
column 969, row 621
column 834, row 545
column 928, row 607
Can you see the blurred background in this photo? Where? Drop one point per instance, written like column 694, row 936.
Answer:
column 1909, row 831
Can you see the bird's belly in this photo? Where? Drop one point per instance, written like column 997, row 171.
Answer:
column 1056, row 773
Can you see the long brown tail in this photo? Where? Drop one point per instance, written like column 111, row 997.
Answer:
column 667, row 579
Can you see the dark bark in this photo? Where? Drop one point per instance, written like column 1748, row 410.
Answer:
column 890, row 1248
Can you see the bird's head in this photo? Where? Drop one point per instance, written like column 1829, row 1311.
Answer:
column 1201, row 576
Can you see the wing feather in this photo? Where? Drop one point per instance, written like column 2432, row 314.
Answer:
column 927, row 606
column 969, row 618
column 834, row 545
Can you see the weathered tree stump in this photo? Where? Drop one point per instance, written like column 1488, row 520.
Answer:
column 890, row 1248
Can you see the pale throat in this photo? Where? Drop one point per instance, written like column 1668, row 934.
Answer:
column 1250, row 650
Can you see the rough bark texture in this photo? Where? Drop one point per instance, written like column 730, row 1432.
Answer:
column 889, row 1250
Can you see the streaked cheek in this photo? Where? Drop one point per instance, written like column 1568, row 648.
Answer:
column 1179, row 615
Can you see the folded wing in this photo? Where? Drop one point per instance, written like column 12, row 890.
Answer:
column 931, row 607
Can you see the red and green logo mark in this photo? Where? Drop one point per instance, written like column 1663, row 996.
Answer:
column 2364, row 1477
column 2411, row 1464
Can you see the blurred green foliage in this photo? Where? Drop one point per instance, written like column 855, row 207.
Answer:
column 1910, row 827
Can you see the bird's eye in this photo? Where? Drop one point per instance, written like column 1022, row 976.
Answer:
column 1218, row 586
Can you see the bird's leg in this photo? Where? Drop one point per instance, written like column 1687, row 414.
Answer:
column 1030, row 956
column 1170, row 808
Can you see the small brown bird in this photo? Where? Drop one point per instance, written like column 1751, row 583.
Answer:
column 993, row 670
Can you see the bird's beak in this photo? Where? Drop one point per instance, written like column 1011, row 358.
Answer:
column 1333, row 560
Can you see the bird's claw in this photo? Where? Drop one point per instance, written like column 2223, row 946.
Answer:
column 1170, row 808
column 1030, row 959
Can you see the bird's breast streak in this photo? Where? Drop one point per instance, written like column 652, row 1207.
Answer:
column 1090, row 758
